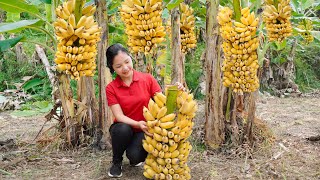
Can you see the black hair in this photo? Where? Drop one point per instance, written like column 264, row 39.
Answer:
column 112, row 51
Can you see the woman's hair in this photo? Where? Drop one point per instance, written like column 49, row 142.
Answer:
column 112, row 51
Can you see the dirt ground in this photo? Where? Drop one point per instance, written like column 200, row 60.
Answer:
column 292, row 156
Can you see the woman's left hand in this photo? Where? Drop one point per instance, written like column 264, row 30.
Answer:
column 180, row 86
column 143, row 126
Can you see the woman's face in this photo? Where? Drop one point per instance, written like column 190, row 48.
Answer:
column 122, row 65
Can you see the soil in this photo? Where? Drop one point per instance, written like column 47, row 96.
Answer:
column 291, row 156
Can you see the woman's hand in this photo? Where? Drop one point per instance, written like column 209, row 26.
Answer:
column 180, row 86
column 143, row 126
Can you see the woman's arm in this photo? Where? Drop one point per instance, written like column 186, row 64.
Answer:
column 120, row 117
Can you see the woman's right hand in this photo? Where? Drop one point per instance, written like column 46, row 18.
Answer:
column 143, row 126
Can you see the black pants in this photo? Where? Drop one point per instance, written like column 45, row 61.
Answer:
column 123, row 138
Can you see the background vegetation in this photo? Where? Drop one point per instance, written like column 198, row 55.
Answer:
column 307, row 61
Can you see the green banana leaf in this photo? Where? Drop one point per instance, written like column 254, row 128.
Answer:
column 173, row 3
column 17, row 25
column 18, row 7
column 12, row 17
column 9, row 43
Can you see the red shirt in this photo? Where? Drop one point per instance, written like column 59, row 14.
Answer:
column 132, row 98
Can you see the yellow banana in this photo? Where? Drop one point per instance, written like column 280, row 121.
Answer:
column 174, row 147
column 167, row 118
column 175, row 154
column 162, row 112
column 165, row 148
column 176, row 130
column 159, row 146
column 164, row 132
column 167, row 125
column 154, row 110
column 157, row 137
column 158, row 101
column 87, row 9
column 161, row 97
column 147, row 115
column 82, row 21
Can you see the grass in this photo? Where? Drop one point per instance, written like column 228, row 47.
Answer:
column 306, row 77
column 307, row 68
column 12, row 71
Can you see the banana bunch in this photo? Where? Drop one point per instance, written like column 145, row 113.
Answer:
column 77, row 41
column 187, row 26
column 240, row 50
column 306, row 25
column 143, row 23
column 168, row 148
column 277, row 19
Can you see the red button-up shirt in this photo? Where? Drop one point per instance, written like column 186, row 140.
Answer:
column 132, row 98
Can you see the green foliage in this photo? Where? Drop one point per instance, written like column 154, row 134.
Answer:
column 118, row 35
column 33, row 108
column 12, row 17
column 12, row 72
column 17, row 25
column 173, row 3
column 197, row 144
column 36, row 36
column 193, row 69
column 307, row 64
column 8, row 43
column 18, row 7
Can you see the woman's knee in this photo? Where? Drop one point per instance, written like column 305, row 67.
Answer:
column 136, row 155
column 121, row 129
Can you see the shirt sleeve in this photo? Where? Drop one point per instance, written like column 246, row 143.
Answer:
column 111, row 96
column 154, row 86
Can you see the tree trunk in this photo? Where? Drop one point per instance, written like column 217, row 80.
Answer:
column 214, row 126
column 177, row 58
column 278, row 77
column 234, row 134
column 2, row 16
column 140, row 65
column 105, row 116
column 46, row 64
column 66, row 98
column 86, row 95
column 251, row 116
column 20, row 54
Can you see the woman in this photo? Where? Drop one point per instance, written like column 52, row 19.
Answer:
column 126, row 95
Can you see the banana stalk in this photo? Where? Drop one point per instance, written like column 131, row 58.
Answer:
column 171, row 99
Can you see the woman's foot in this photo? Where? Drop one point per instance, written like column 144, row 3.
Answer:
column 115, row 170
column 137, row 165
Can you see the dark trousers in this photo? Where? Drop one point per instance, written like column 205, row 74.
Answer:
column 123, row 138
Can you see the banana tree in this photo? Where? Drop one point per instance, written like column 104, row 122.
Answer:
column 277, row 59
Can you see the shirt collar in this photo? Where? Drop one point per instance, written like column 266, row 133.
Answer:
column 120, row 82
